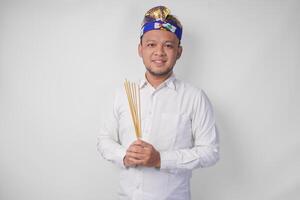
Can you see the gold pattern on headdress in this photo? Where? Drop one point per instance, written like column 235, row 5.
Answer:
column 159, row 12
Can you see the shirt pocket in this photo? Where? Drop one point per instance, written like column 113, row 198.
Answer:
column 174, row 131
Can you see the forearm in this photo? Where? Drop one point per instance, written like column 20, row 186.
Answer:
column 111, row 150
column 108, row 144
column 198, row 156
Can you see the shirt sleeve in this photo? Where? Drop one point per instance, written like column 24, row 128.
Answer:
column 205, row 151
column 108, row 141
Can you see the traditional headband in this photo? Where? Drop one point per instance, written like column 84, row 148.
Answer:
column 162, row 25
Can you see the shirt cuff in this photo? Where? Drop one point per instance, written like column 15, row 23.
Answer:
column 168, row 160
column 120, row 154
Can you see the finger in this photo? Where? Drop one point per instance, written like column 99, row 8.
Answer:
column 138, row 145
column 138, row 162
column 132, row 145
column 137, row 142
column 134, row 161
column 136, row 149
column 145, row 144
column 129, row 161
column 130, row 164
column 136, row 156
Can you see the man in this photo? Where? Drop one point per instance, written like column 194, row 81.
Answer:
column 178, row 127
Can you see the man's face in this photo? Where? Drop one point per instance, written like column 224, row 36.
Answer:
column 159, row 49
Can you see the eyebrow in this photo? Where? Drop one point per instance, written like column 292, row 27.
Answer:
column 168, row 41
column 150, row 41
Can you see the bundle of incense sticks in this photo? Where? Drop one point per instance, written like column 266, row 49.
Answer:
column 134, row 101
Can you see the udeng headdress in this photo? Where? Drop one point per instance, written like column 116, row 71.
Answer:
column 159, row 18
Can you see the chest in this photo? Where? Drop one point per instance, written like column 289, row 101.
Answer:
column 166, row 120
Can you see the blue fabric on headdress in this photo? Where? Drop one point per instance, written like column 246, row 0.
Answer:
column 161, row 25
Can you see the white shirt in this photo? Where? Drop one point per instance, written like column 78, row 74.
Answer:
column 178, row 120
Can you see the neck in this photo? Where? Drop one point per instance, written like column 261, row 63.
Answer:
column 155, row 81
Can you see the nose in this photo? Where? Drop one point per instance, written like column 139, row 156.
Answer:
column 160, row 51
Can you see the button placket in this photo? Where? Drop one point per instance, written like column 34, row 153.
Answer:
column 139, row 180
column 151, row 110
column 149, row 115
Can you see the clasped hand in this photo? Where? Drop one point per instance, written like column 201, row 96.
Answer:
column 141, row 153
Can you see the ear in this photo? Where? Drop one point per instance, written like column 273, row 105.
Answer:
column 179, row 52
column 140, row 50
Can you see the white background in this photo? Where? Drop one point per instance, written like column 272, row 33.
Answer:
column 61, row 61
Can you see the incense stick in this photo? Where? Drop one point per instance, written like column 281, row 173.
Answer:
column 134, row 101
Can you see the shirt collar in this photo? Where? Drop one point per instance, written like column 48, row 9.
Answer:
column 170, row 83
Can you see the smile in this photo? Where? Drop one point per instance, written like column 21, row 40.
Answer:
column 159, row 61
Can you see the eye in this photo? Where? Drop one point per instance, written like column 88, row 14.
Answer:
column 170, row 46
column 150, row 45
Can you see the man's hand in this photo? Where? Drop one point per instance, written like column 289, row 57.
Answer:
column 141, row 153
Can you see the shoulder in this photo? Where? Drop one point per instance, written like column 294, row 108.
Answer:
column 195, row 94
column 119, row 96
column 188, row 88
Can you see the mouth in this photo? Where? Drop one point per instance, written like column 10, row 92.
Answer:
column 159, row 62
